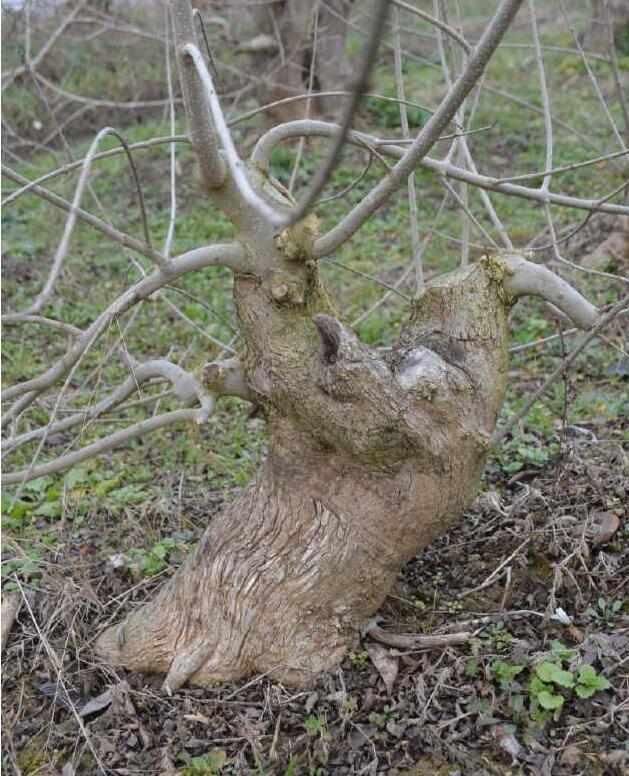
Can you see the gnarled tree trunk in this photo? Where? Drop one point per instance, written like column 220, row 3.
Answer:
column 370, row 459
column 371, row 456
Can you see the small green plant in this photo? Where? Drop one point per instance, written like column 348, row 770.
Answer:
column 208, row 764
column 500, row 638
column 589, row 682
column 505, row 673
column 605, row 611
column 359, row 659
column 551, row 683
column 150, row 562
column 26, row 567
column 316, row 726
column 544, row 689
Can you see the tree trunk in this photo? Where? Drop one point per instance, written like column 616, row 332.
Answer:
column 370, row 458
column 607, row 14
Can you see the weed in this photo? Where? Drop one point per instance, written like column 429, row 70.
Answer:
column 316, row 726
column 208, row 764
column 551, row 682
column 359, row 659
column 605, row 611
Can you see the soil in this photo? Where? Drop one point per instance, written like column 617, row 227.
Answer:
column 540, row 557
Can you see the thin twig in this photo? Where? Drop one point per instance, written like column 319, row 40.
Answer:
column 412, row 191
column 329, row 165
column 604, row 321
column 428, row 135
column 103, row 445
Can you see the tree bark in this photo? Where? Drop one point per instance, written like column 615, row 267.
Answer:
column 369, row 460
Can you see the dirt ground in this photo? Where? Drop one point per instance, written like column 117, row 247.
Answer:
column 540, row 559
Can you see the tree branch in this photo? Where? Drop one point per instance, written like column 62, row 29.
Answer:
column 102, row 226
column 524, row 278
column 603, row 321
column 232, row 255
column 235, row 164
column 199, row 122
column 105, row 445
column 62, row 249
column 308, row 127
column 15, row 319
column 329, row 165
column 227, row 378
column 430, row 133
column 441, row 25
column 66, row 168
column 186, row 387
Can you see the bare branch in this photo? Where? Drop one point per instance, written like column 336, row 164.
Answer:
column 66, row 168
column 227, row 378
column 441, row 25
column 104, row 445
column 234, row 162
column 186, row 387
column 98, row 103
column 565, row 168
column 603, row 321
column 548, row 120
column 309, row 127
column 62, row 249
column 195, row 100
column 412, row 191
column 230, row 254
column 306, row 96
column 430, row 133
column 170, row 233
column 17, row 318
column 465, row 208
column 485, row 198
column 621, row 90
column 592, row 77
column 416, row 640
column 102, row 226
column 329, row 165
column 524, row 278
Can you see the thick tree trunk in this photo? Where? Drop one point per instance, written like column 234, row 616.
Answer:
column 370, row 460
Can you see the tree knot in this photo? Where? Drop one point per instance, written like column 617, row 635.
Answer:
column 296, row 242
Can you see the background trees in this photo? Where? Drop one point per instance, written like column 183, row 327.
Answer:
column 331, row 345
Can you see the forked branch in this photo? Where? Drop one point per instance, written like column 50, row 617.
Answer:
column 261, row 156
column 430, row 133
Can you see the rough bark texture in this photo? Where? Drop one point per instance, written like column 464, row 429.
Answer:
column 369, row 460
